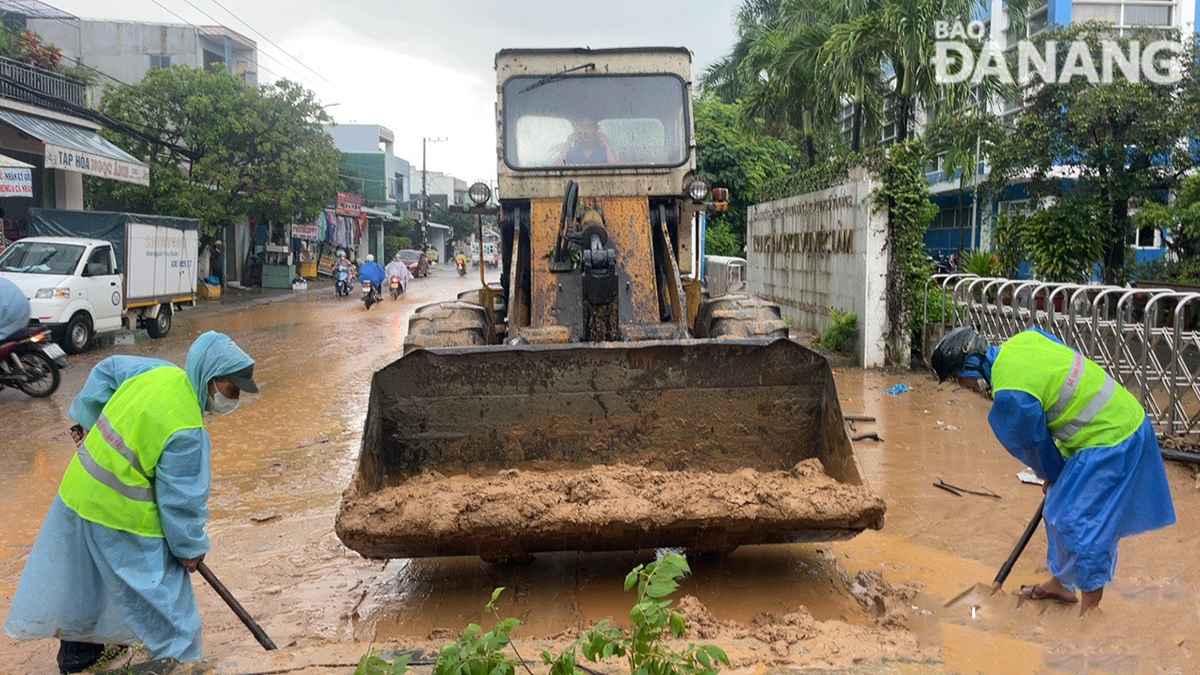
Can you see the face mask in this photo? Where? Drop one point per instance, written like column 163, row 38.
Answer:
column 219, row 403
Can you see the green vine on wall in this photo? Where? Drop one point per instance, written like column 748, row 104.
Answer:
column 819, row 177
column 904, row 193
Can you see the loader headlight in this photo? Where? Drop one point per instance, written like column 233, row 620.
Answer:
column 47, row 293
column 480, row 193
column 697, row 190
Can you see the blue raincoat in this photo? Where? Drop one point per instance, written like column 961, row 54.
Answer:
column 86, row 582
column 371, row 271
column 1096, row 497
column 14, row 308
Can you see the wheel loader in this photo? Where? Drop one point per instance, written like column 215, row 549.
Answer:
column 596, row 399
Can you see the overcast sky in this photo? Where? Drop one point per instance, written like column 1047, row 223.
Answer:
column 426, row 68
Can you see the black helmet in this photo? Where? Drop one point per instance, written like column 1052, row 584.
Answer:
column 952, row 351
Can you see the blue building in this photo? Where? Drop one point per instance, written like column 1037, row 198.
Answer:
column 964, row 222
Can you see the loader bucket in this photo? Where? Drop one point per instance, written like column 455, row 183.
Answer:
column 502, row 451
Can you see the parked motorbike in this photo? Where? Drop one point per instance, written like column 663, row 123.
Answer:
column 341, row 277
column 461, row 265
column 370, row 294
column 394, row 286
column 30, row 362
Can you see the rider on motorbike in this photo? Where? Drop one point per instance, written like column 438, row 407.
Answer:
column 372, row 272
column 397, row 268
column 14, row 308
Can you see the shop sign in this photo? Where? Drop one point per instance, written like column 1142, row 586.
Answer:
column 308, row 232
column 349, row 204
column 16, row 182
column 70, row 159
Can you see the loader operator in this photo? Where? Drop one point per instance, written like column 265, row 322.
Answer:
column 111, row 562
column 1085, row 435
column 587, row 145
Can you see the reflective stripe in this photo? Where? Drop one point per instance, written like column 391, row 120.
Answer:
column 1067, row 390
column 105, row 476
column 114, row 439
column 1089, row 411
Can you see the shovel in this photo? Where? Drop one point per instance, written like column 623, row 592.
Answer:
column 255, row 629
column 976, row 594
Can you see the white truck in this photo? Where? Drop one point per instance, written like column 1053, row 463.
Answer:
column 87, row 273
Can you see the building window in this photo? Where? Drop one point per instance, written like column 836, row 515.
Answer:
column 1124, row 15
column 213, row 63
column 160, row 60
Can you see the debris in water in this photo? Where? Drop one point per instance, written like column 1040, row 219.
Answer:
column 960, row 491
column 1029, row 477
column 869, row 436
column 265, row 518
column 897, row 389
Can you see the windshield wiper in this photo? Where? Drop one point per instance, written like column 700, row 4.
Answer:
column 557, row 76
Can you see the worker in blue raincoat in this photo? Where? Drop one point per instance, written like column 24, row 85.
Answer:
column 111, row 562
column 14, row 309
column 1085, row 435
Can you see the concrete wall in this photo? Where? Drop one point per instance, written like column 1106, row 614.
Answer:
column 121, row 49
column 820, row 250
column 355, row 137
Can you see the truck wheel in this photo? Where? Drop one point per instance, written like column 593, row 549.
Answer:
column 161, row 325
column 447, row 324
column 78, row 334
column 739, row 316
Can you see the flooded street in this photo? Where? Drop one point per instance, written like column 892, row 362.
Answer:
column 280, row 463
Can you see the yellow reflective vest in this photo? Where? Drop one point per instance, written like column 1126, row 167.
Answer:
column 110, row 480
column 1084, row 406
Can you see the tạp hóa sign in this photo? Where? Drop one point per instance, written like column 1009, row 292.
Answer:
column 70, row 159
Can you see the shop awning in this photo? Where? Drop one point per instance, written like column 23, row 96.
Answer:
column 380, row 215
column 73, row 148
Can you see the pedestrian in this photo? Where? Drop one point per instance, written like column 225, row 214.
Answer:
column 111, row 562
column 1082, row 433
column 217, row 262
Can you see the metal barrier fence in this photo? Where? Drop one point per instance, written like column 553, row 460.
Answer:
column 1147, row 339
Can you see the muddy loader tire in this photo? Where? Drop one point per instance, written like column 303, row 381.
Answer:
column 447, row 324
column 470, row 296
column 739, row 316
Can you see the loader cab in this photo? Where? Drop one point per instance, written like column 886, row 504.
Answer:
column 595, row 159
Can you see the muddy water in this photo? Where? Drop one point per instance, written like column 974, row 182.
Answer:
column 281, row 461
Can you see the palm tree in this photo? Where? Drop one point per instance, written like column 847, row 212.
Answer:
column 789, row 90
column 899, row 35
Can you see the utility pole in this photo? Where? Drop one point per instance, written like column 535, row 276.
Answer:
column 422, row 236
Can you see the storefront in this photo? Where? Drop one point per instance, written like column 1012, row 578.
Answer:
column 49, row 153
column 340, row 228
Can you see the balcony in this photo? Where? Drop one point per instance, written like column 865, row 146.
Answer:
column 36, row 86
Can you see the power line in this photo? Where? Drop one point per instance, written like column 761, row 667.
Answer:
column 177, row 16
column 101, row 117
column 210, row 17
column 269, row 40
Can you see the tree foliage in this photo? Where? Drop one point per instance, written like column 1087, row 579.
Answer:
column 1114, row 143
column 228, row 150
column 1180, row 220
column 734, row 153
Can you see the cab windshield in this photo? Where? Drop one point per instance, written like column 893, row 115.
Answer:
column 595, row 121
column 40, row 257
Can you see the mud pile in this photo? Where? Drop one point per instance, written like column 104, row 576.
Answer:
column 518, row 512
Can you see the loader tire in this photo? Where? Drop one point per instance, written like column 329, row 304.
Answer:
column 447, row 324
column 739, row 316
column 470, row 296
